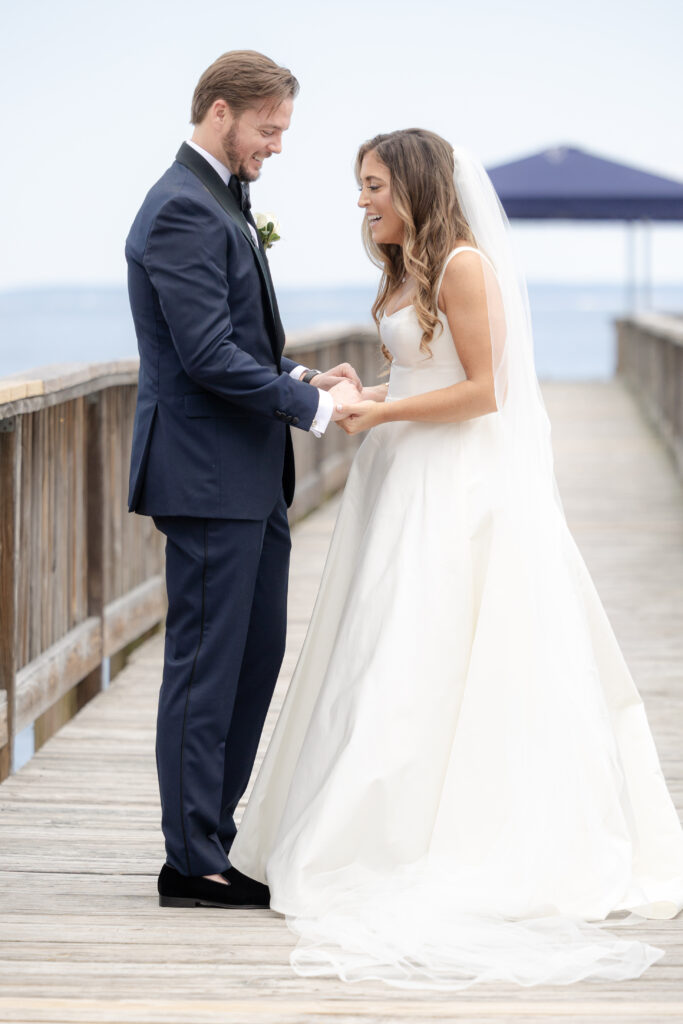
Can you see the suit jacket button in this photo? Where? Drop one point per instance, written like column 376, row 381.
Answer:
column 295, row 420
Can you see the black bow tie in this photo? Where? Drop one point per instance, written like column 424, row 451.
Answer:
column 240, row 190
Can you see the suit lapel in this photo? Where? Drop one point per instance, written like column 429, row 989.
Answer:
column 213, row 183
column 279, row 329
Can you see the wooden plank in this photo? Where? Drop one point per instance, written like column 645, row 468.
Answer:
column 4, row 725
column 92, row 507
column 53, row 673
column 24, row 440
column 41, row 619
column 82, row 606
column 56, row 377
column 664, row 325
column 23, row 389
column 86, row 517
column 134, row 613
column 262, row 1007
column 114, row 508
column 8, row 587
column 52, row 385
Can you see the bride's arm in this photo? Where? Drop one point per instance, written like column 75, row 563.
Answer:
column 463, row 298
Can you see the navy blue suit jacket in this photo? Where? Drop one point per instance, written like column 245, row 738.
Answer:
column 215, row 399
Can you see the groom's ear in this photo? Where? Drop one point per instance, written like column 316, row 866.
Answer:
column 220, row 115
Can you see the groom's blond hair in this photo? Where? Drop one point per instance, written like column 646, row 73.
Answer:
column 243, row 78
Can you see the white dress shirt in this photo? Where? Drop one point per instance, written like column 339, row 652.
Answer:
column 325, row 402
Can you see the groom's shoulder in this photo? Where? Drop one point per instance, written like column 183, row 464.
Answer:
column 178, row 194
column 178, row 184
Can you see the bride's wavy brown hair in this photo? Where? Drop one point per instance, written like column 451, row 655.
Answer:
column 420, row 165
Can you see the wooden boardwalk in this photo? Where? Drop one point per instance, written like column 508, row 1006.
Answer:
column 81, row 935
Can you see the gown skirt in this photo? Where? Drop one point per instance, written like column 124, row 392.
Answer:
column 462, row 782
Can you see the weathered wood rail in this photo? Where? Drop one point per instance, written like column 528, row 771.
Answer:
column 80, row 578
column 650, row 360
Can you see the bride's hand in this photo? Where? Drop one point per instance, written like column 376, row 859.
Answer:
column 361, row 416
column 344, row 371
column 374, row 393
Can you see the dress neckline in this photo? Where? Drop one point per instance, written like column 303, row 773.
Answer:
column 411, row 305
column 388, row 316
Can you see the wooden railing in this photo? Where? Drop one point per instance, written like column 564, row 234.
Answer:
column 80, row 578
column 650, row 360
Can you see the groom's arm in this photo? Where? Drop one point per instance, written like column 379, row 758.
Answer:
column 326, row 382
column 291, row 367
column 325, row 402
column 186, row 260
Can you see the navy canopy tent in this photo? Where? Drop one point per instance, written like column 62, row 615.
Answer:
column 566, row 183
column 569, row 184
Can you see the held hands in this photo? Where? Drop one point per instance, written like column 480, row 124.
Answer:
column 343, row 372
column 374, row 393
column 355, row 407
column 359, row 416
column 344, row 387
column 346, row 396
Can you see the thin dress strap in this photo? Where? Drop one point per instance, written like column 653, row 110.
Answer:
column 460, row 248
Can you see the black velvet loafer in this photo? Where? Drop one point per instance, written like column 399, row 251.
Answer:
column 176, row 890
column 256, row 893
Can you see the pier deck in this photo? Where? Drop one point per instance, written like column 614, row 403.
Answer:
column 82, row 938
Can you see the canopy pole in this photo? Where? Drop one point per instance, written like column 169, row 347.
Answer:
column 631, row 286
column 647, row 264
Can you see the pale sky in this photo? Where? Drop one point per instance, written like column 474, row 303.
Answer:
column 95, row 102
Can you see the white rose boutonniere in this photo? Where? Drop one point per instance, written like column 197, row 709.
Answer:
column 268, row 228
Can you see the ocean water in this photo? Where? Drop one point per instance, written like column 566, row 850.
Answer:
column 574, row 336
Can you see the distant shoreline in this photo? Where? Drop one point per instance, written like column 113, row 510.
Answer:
column 74, row 287
column 573, row 322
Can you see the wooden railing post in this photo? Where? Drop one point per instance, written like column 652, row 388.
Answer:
column 96, row 514
column 8, row 499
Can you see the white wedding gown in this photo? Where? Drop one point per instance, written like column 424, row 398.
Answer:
column 462, row 775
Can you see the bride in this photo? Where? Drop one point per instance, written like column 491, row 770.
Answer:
column 462, row 782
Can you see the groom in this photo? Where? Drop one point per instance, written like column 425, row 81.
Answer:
column 212, row 463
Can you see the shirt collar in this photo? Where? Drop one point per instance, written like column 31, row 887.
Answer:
column 220, row 169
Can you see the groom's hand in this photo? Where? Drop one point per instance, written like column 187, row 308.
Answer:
column 330, row 378
column 346, row 395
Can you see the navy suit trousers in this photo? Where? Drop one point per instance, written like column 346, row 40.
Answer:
column 225, row 640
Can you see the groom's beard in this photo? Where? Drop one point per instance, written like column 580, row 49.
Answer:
column 233, row 158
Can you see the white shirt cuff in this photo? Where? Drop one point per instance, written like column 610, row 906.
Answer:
column 323, row 415
column 297, row 371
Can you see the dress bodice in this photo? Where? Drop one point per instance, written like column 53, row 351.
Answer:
column 414, row 370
